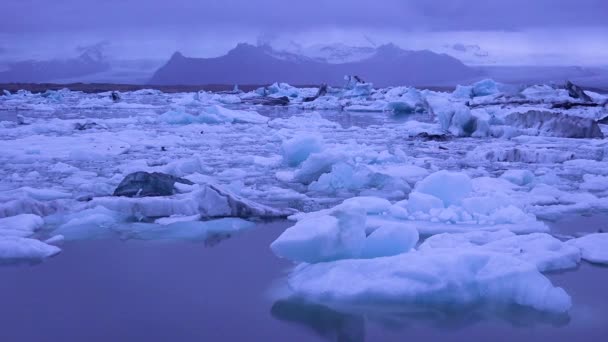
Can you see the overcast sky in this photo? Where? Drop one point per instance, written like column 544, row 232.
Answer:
column 510, row 31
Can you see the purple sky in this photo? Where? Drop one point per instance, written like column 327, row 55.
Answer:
column 511, row 31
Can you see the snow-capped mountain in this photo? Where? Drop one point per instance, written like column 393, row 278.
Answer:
column 335, row 53
column 248, row 64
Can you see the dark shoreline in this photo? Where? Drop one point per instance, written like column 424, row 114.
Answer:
column 92, row 88
column 103, row 87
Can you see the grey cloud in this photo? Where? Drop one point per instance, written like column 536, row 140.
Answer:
column 279, row 15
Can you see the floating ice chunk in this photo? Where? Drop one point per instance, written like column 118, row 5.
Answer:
column 409, row 173
column 594, row 183
column 390, row 239
column 342, row 176
column 594, row 247
column 519, row 177
column 177, row 218
column 462, row 123
column 360, row 178
column 405, row 102
column 484, row 88
column 235, row 116
column 521, row 154
column 454, row 117
column 93, row 223
column 38, row 194
column 554, row 124
column 316, row 165
column 300, row 147
column 426, row 227
column 329, row 237
column 540, row 249
column 463, row 92
column 359, row 90
column 440, row 277
column 421, row 202
column 450, row 187
column 485, row 205
column 193, row 230
column 20, row 225
column 14, row 249
column 208, row 200
column 279, row 90
column 369, row 204
column 212, row 115
column 55, row 239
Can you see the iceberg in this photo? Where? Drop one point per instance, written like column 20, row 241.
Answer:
column 544, row 251
column 342, row 233
column 212, row 115
column 15, row 249
column 449, row 187
column 338, row 235
column 189, row 230
column 518, row 177
column 390, row 239
column 452, row 278
column 300, row 147
column 208, row 200
column 22, row 225
column 594, row 247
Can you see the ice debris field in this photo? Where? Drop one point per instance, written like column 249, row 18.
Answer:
column 397, row 195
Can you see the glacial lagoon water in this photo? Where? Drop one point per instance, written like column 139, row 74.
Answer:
column 127, row 290
column 230, row 289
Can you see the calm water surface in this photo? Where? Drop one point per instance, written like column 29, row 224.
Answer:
column 112, row 290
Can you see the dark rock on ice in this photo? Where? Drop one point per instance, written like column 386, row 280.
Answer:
column 87, row 125
column 322, row 92
column 555, row 124
column 143, row 194
column 144, row 184
column 577, row 92
column 433, row 137
column 115, row 96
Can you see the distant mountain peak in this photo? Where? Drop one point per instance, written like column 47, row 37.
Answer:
column 261, row 64
column 177, row 55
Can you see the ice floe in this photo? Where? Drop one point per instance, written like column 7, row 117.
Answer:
column 594, row 247
column 452, row 278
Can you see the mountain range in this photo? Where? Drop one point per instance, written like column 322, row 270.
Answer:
column 90, row 61
column 386, row 65
column 261, row 64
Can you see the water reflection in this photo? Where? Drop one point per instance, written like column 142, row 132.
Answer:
column 325, row 322
column 348, row 323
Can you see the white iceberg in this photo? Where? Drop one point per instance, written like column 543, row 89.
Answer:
column 544, row 251
column 300, row 147
column 450, row 187
column 23, row 225
column 443, row 278
column 14, row 249
column 594, row 247
column 212, row 115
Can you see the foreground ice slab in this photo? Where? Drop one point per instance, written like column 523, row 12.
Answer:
column 14, row 249
column 340, row 233
column 443, row 278
column 594, row 247
column 540, row 249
